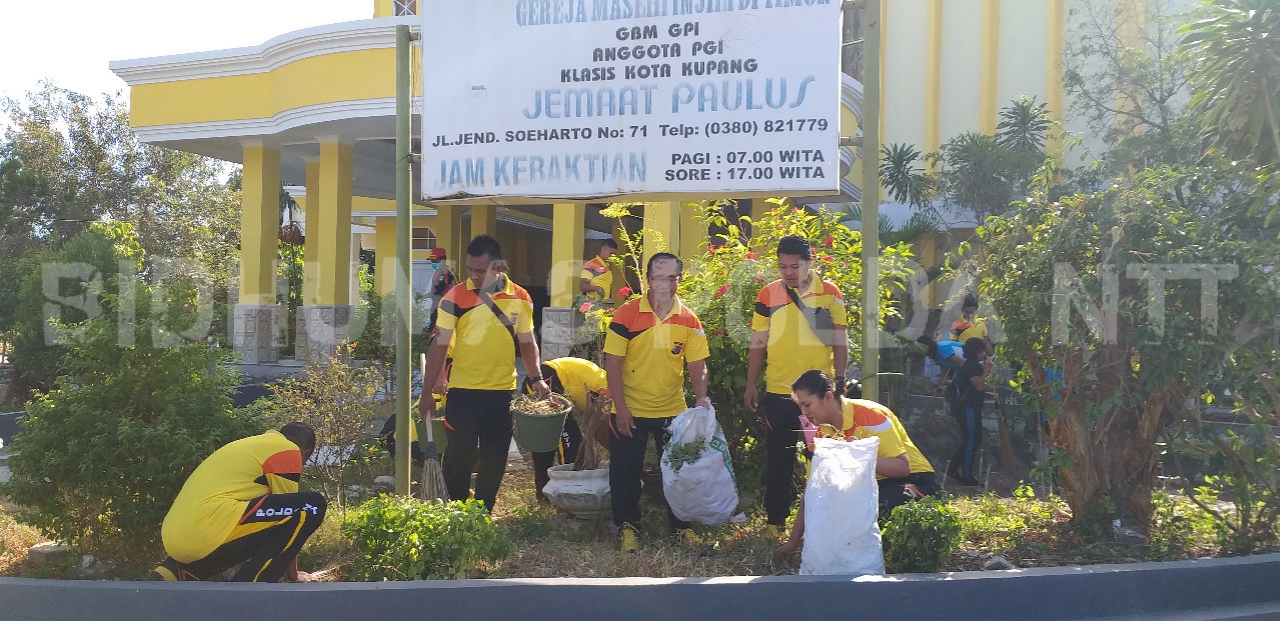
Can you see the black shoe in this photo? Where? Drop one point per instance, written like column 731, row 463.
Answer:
column 170, row 570
column 968, row 481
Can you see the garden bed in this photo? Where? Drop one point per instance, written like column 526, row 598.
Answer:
column 1026, row 530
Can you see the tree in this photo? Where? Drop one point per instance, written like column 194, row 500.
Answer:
column 68, row 160
column 1238, row 79
column 1127, row 370
column 1238, row 88
column 102, row 454
column 1128, row 81
column 1023, row 125
column 979, row 175
column 902, row 179
column 721, row 287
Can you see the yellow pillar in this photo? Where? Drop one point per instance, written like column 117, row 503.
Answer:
column 664, row 219
column 1053, row 87
column 693, row 233
column 384, row 239
column 311, row 250
column 933, row 79
column 334, row 230
column 484, row 220
column 568, row 231
column 259, row 225
column 990, row 66
column 448, row 229
column 520, row 256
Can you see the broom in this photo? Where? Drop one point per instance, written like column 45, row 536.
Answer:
column 432, row 478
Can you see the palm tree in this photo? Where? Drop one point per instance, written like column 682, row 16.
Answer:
column 1023, row 125
column 904, row 182
column 1238, row 80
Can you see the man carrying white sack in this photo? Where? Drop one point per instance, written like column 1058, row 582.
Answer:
column 650, row 341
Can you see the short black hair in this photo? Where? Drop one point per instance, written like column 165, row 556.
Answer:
column 930, row 346
column 853, row 389
column 814, row 382
column 969, row 301
column 663, row 256
column 795, row 245
column 609, row 243
column 973, row 346
column 300, row 434
column 483, row 245
column 549, row 375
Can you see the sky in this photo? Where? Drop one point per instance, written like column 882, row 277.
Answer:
column 71, row 41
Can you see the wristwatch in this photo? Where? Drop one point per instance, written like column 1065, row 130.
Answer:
column 840, row 385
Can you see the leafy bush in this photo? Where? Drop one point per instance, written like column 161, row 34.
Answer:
column 721, row 286
column 1179, row 527
column 102, row 456
column 920, row 535
column 403, row 538
column 999, row 525
column 336, row 399
column 102, row 248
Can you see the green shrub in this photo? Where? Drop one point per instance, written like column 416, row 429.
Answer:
column 336, row 399
column 102, row 456
column 405, row 539
column 1178, row 528
column 999, row 525
column 919, row 536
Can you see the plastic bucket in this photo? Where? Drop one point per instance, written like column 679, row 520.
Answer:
column 437, row 430
column 539, row 433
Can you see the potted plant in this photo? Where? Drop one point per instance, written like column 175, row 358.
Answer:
column 581, row 489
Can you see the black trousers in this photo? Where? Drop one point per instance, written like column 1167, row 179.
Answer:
column 782, row 416
column 267, row 553
column 914, row 486
column 570, row 443
column 970, row 420
column 626, row 464
column 476, row 417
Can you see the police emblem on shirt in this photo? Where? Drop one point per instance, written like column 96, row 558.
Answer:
column 677, row 348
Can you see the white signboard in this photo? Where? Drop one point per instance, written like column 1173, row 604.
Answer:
column 595, row 98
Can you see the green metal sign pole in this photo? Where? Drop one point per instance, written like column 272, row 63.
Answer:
column 871, row 199
column 404, row 271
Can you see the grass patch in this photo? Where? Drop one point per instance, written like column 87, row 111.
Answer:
column 549, row 546
column 15, row 540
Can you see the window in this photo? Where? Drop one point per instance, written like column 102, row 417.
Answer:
column 423, row 238
column 406, row 7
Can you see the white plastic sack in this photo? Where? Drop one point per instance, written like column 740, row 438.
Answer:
column 841, row 536
column 702, row 490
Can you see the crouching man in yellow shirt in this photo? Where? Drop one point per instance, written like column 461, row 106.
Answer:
column 242, row 506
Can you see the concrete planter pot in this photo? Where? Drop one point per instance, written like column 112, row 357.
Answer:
column 582, row 494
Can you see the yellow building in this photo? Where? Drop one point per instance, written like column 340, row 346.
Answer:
column 315, row 108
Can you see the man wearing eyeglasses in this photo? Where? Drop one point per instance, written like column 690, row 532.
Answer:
column 650, row 342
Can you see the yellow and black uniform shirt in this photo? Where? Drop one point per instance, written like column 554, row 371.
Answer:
column 578, row 376
column 484, row 357
column 793, row 348
column 656, row 353
column 216, row 495
column 597, row 273
column 963, row 329
column 864, row 419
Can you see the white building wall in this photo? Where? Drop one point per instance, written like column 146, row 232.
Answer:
column 961, row 67
column 905, row 43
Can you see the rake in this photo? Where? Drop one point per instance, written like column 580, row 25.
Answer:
column 432, row 478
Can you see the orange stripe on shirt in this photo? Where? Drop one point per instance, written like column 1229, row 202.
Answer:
column 284, row 462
